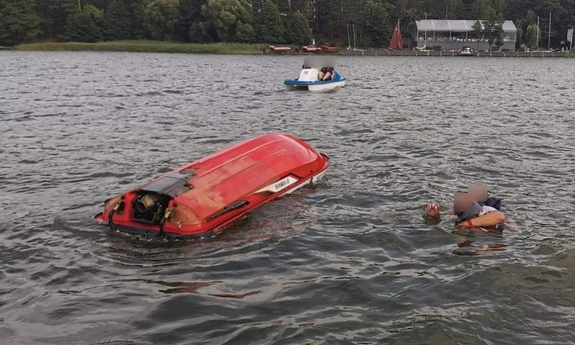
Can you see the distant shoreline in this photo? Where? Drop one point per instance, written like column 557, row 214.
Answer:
column 254, row 49
column 148, row 47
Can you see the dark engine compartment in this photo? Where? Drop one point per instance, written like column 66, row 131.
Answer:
column 152, row 200
column 149, row 207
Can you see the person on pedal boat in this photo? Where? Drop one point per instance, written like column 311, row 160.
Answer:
column 326, row 73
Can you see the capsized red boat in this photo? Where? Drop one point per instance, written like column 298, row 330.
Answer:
column 205, row 196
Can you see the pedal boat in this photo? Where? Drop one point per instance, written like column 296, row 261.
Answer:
column 309, row 76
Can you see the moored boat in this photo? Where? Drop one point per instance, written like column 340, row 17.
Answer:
column 466, row 51
column 396, row 41
column 206, row 196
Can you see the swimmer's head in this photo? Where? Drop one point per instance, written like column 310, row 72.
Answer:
column 478, row 192
column 462, row 202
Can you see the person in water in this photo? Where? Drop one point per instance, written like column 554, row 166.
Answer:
column 480, row 195
column 468, row 211
column 482, row 218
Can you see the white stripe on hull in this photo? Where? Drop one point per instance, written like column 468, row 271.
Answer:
column 312, row 180
column 317, row 87
column 278, row 185
column 326, row 87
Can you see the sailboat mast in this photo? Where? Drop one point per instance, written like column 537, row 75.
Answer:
column 549, row 39
column 348, row 38
column 354, row 43
column 425, row 37
column 537, row 42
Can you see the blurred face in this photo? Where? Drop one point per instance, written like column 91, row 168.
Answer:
column 477, row 192
column 461, row 202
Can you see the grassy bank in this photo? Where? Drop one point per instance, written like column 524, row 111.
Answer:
column 148, row 47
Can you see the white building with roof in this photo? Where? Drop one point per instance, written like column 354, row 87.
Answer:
column 456, row 34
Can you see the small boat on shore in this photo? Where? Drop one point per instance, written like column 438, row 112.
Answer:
column 277, row 50
column 311, row 76
column 467, row 51
column 206, row 196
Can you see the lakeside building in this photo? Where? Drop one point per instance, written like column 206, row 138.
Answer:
column 456, row 34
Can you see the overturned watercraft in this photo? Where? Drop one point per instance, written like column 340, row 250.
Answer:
column 207, row 195
column 312, row 73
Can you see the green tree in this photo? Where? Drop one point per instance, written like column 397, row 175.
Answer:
column 201, row 32
column 268, row 26
column 231, row 20
column 499, row 42
column 95, row 13
column 530, row 18
column 282, row 5
column 245, row 33
column 520, row 25
column 117, row 21
column 223, row 18
column 304, row 7
column 4, row 33
column 493, row 26
column 533, row 36
column 81, row 27
column 498, row 5
column 480, row 9
column 375, row 25
column 191, row 12
column 19, row 22
column 532, row 32
column 162, row 17
column 54, row 14
column 477, row 31
column 297, row 29
column 139, row 28
column 454, row 9
column 97, row 16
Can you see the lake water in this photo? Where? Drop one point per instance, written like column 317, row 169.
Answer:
column 349, row 262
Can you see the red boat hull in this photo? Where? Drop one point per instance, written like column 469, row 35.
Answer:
column 206, row 196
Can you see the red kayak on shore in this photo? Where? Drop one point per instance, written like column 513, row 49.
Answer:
column 207, row 195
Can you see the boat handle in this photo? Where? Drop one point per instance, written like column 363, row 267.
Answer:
column 231, row 207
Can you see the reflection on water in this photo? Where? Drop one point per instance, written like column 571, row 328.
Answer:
column 349, row 261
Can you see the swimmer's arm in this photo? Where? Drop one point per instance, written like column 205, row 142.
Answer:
column 431, row 220
column 434, row 220
column 490, row 219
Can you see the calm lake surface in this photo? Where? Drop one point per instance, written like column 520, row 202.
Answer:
column 349, row 262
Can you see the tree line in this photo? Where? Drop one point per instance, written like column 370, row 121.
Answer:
column 341, row 22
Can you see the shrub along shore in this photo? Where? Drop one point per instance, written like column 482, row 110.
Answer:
column 148, row 47
column 241, row 49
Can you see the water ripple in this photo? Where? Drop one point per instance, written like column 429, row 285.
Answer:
column 349, row 261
